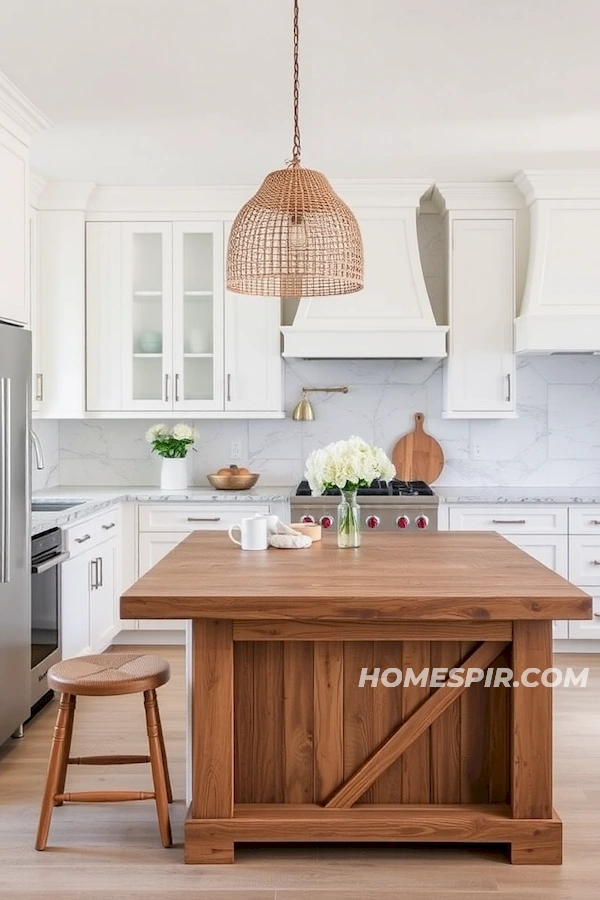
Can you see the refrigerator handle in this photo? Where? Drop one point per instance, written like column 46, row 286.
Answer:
column 5, row 475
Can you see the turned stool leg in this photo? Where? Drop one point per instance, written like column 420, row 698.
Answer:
column 164, row 754
column 59, row 754
column 60, row 789
column 159, row 775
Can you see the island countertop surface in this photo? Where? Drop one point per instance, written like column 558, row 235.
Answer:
column 441, row 576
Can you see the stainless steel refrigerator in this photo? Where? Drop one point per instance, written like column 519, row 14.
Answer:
column 15, row 540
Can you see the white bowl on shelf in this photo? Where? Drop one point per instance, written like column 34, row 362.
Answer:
column 150, row 342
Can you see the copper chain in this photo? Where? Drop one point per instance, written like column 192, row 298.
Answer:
column 296, row 149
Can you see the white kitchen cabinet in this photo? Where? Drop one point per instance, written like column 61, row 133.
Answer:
column 159, row 327
column 75, row 615
column 479, row 374
column 90, row 584
column 152, row 548
column 587, row 630
column 103, row 595
column 14, row 299
column 551, row 551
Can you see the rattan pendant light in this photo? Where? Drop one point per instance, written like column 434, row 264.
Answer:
column 295, row 237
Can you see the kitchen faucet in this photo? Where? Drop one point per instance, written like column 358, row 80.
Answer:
column 37, row 449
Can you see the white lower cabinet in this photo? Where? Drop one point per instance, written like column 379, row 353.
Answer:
column 587, row 630
column 90, row 585
column 152, row 548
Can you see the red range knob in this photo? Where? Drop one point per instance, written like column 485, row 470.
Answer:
column 308, row 520
column 326, row 521
column 421, row 521
column 373, row 521
column 402, row 521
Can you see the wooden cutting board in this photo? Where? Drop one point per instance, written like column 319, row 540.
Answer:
column 417, row 456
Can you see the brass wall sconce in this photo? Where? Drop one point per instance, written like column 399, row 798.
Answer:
column 304, row 411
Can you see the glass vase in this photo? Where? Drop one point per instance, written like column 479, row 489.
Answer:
column 348, row 521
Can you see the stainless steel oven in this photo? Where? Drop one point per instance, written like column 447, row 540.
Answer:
column 46, row 558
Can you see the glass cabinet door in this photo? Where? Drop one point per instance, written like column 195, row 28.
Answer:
column 198, row 315
column 147, row 308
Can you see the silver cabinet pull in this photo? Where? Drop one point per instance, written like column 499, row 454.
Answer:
column 176, row 387
column 39, row 386
column 228, row 387
column 108, row 527
column 508, row 388
column 94, row 574
column 167, row 377
column 83, row 539
column 597, row 615
column 509, row 521
column 5, row 476
column 595, row 522
column 596, row 562
column 100, row 562
column 204, row 518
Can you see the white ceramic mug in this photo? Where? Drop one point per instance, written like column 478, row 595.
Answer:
column 253, row 533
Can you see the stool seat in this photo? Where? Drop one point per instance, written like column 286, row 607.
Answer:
column 108, row 674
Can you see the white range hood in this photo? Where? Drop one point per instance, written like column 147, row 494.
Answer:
column 560, row 311
column 392, row 316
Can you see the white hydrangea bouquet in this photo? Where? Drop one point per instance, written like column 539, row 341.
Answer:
column 347, row 465
column 172, row 445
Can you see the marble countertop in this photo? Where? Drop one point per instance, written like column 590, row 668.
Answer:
column 99, row 498
column 523, row 494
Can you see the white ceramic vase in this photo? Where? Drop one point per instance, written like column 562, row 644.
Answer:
column 173, row 474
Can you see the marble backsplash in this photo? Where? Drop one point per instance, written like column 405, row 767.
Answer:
column 554, row 441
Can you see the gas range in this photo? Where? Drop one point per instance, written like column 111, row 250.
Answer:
column 387, row 506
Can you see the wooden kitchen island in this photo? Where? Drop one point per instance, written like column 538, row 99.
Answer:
column 285, row 744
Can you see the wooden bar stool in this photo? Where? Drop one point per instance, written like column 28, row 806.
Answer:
column 106, row 675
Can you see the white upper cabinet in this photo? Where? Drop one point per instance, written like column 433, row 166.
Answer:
column 480, row 370
column 14, row 299
column 159, row 327
column 481, row 227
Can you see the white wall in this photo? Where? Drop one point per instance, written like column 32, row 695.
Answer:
column 554, row 441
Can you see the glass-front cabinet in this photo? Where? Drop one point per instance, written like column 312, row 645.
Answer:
column 197, row 316
column 162, row 333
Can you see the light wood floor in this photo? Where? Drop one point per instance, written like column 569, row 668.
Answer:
column 113, row 850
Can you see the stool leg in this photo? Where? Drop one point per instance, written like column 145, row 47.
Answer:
column 60, row 788
column 163, row 752
column 158, row 769
column 55, row 765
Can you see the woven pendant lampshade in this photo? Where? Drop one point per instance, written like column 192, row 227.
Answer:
column 295, row 237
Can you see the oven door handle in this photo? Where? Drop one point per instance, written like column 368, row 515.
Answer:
column 49, row 564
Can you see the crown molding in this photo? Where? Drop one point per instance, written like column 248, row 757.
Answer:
column 66, row 195
column 18, row 114
column 558, row 184
column 477, row 195
column 228, row 199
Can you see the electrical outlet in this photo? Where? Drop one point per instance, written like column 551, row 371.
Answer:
column 235, row 450
column 477, row 450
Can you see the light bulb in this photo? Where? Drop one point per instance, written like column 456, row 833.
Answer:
column 297, row 236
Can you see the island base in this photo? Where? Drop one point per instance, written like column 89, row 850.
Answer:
column 530, row 841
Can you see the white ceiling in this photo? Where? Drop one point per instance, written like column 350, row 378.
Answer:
column 198, row 91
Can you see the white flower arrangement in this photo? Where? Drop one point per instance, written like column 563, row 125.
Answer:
column 347, row 465
column 171, row 443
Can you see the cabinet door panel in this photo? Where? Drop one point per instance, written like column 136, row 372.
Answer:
column 198, row 315
column 104, row 316
column 147, row 305
column 253, row 366
column 584, row 559
column 480, row 365
column 75, row 606
column 152, row 548
column 103, row 598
